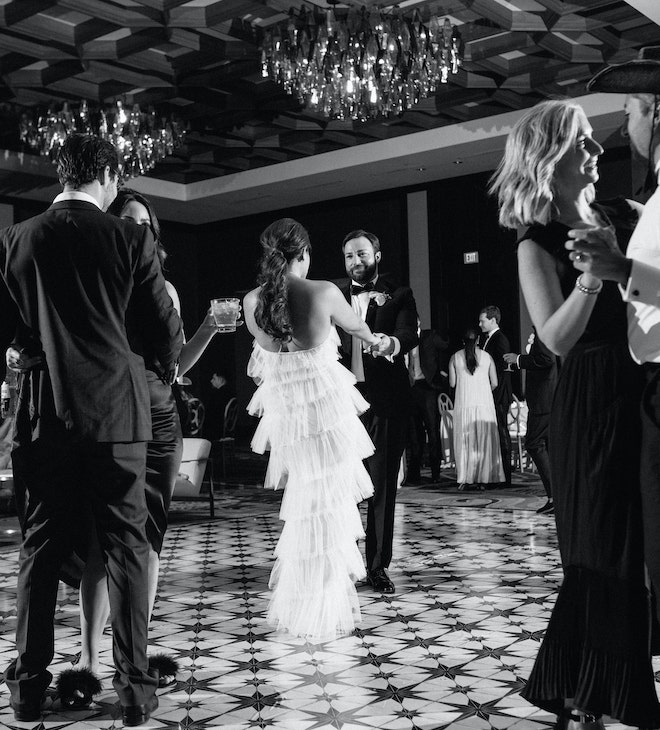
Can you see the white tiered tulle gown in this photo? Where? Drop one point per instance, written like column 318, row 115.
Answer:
column 309, row 411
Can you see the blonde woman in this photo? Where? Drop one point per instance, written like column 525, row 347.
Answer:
column 594, row 659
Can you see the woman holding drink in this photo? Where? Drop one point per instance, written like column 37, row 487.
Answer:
column 309, row 421
column 595, row 658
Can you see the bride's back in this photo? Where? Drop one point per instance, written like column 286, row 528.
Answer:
column 310, row 313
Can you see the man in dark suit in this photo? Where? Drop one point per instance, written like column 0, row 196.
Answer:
column 388, row 310
column 495, row 343
column 428, row 379
column 541, row 380
column 83, row 416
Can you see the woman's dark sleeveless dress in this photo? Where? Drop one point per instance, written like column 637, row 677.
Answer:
column 596, row 646
column 164, row 449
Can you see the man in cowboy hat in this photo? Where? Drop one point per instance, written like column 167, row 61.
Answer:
column 638, row 274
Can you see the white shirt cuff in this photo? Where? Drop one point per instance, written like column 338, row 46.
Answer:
column 643, row 284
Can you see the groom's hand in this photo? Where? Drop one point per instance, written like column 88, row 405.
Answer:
column 385, row 347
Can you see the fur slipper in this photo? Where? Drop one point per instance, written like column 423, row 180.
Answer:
column 76, row 688
column 167, row 668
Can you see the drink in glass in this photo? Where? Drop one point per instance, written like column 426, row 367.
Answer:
column 225, row 313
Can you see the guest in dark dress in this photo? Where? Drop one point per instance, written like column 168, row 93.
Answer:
column 595, row 656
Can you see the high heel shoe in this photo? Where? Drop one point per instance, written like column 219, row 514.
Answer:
column 578, row 721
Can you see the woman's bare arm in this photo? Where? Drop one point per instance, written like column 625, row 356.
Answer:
column 559, row 322
column 342, row 314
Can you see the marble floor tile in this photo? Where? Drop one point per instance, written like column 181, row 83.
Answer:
column 450, row 650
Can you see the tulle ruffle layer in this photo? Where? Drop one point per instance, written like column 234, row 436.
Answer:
column 302, row 394
column 309, row 411
column 317, row 563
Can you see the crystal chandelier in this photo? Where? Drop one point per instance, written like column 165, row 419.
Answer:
column 360, row 64
column 141, row 138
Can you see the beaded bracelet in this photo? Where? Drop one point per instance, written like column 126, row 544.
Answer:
column 585, row 289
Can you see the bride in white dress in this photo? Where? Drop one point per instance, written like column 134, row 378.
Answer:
column 309, row 411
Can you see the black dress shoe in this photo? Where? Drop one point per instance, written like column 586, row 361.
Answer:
column 30, row 711
column 133, row 715
column 380, row 581
column 547, row 509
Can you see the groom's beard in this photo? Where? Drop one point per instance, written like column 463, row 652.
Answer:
column 364, row 273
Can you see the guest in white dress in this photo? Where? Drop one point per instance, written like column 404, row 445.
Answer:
column 476, row 441
column 309, row 411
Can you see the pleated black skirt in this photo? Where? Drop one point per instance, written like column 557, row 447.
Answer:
column 596, row 647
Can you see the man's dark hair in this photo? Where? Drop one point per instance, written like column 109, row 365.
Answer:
column 492, row 312
column 372, row 237
column 83, row 158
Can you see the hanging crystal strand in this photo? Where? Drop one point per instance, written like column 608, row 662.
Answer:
column 456, row 50
column 267, row 55
column 84, row 125
column 28, row 132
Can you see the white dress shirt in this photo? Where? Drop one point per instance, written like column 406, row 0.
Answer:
column 76, row 195
column 360, row 304
column 487, row 340
column 642, row 291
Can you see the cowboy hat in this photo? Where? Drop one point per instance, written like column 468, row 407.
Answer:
column 640, row 76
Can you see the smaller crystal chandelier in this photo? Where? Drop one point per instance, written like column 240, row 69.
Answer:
column 363, row 63
column 141, row 138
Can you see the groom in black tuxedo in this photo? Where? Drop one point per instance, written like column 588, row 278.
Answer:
column 383, row 380
column 83, row 416
column 496, row 344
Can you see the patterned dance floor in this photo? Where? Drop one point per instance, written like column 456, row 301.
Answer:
column 476, row 576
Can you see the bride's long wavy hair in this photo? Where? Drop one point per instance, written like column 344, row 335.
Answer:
column 283, row 241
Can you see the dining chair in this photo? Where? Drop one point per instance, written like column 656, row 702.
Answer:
column 227, row 443
column 194, row 463
column 446, row 427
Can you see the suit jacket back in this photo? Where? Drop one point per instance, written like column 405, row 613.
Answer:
column 72, row 272
column 496, row 346
column 387, row 387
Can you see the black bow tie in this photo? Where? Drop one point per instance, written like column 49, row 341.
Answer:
column 358, row 288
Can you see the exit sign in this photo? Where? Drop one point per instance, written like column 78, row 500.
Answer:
column 471, row 257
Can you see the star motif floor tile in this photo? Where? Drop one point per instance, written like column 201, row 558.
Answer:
column 450, row 650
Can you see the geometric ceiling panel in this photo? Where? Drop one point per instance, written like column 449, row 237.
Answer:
column 200, row 59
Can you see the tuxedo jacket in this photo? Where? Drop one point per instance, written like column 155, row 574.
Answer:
column 71, row 273
column 433, row 358
column 496, row 347
column 541, row 379
column 387, row 387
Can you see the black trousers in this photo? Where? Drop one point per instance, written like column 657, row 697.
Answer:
column 536, row 443
column 424, row 421
column 650, row 478
column 389, row 437
column 63, row 481
column 501, row 413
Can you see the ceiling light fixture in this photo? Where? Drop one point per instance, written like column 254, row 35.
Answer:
column 141, row 138
column 360, row 63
